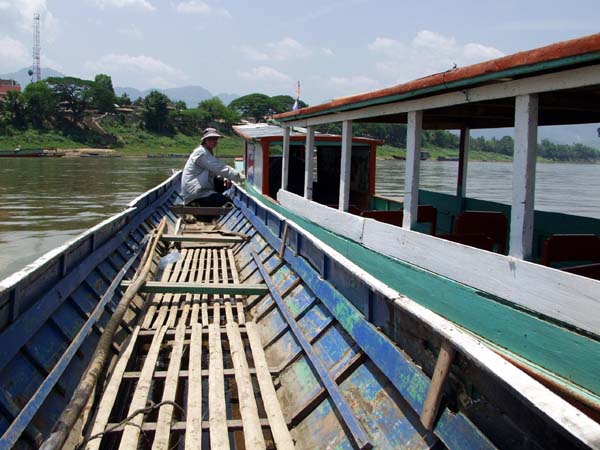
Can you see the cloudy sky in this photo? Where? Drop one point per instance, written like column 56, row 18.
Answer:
column 334, row 48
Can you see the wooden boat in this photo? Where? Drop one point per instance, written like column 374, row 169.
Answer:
column 259, row 336
column 29, row 153
column 294, row 324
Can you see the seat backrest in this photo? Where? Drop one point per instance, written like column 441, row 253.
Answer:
column 491, row 223
column 428, row 214
column 571, row 247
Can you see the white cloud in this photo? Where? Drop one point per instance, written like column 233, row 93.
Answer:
column 326, row 51
column 13, row 54
column 199, row 7
column 139, row 4
column 264, row 73
column 145, row 66
column 132, row 32
column 18, row 16
column 428, row 53
column 353, row 84
column 283, row 50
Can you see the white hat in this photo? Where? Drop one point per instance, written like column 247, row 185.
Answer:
column 208, row 133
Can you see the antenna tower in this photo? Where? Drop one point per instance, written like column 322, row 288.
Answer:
column 37, row 69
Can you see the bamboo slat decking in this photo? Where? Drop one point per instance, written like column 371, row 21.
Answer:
column 188, row 372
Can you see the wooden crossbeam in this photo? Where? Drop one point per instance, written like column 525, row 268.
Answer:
column 161, row 287
column 200, row 210
column 201, row 238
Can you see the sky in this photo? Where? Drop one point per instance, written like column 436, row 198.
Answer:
column 334, row 48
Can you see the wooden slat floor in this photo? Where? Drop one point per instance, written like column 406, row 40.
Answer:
column 189, row 376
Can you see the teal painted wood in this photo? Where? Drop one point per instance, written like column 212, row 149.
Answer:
column 411, row 383
column 560, row 351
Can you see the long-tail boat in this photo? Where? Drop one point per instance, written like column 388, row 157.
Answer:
column 292, row 324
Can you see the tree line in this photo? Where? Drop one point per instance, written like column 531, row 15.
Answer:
column 63, row 102
column 395, row 135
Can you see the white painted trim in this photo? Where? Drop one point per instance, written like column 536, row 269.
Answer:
column 308, row 163
column 566, row 297
column 566, row 79
column 523, row 386
column 523, row 178
column 345, row 165
column 337, row 221
column 413, row 160
column 461, row 186
column 285, row 163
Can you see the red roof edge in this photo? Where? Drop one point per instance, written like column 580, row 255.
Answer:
column 559, row 50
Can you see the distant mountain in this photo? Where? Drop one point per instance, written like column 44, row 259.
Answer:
column 23, row 78
column 191, row 95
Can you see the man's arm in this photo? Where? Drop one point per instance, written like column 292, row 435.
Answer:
column 212, row 164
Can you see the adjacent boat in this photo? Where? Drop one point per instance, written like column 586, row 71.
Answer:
column 293, row 323
column 29, row 153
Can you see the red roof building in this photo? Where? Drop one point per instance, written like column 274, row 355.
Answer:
column 8, row 85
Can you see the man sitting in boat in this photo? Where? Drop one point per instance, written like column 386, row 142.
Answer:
column 201, row 168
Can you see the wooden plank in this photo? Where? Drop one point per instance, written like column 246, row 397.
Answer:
column 236, row 279
column 524, row 160
column 166, row 299
column 225, row 280
column 345, row 165
column 201, row 288
column 285, row 163
column 183, row 276
column 219, row 437
column 110, row 393
column 202, row 238
column 193, row 431
column 199, row 211
column 279, row 429
column 201, row 255
column 131, row 432
column 165, row 414
column 436, row 388
column 204, row 300
column 413, row 160
column 309, row 162
column 157, row 299
column 533, row 286
column 283, row 239
column 253, row 436
column 216, row 299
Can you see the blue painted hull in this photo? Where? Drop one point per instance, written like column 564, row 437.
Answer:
column 353, row 367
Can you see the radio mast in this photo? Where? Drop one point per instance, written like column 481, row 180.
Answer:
column 37, row 69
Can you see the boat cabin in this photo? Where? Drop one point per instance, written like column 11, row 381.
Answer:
column 263, row 160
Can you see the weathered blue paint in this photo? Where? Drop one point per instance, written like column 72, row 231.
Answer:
column 358, row 434
column 408, row 379
column 13, row 433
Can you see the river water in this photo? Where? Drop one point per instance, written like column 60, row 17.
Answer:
column 46, row 201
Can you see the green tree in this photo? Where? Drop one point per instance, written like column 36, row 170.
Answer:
column 13, row 107
column 74, row 93
column 214, row 113
column 256, row 106
column 284, row 103
column 103, row 93
column 124, row 100
column 156, row 112
column 180, row 105
column 40, row 102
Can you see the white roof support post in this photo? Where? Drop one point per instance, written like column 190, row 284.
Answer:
column 463, row 162
column 285, row 163
column 308, row 165
column 413, row 159
column 523, row 179
column 345, row 165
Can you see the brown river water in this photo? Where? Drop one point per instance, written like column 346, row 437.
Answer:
column 44, row 202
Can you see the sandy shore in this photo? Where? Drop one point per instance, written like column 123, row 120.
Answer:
column 86, row 151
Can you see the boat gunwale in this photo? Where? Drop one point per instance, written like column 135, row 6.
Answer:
column 12, row 280
column 539, row 397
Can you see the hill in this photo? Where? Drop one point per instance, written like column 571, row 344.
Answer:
column 191, row 95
